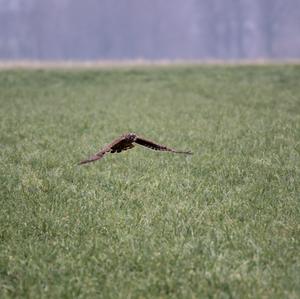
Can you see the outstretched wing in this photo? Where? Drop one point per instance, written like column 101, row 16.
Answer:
column 118, row 145
column 94, row 158
column 157, row 147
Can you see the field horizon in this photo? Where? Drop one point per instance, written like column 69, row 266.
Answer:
column 139, row 63
column 221, row 223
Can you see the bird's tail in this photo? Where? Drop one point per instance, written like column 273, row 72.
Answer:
column 92, row 159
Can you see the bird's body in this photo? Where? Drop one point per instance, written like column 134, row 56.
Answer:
column 128, row 141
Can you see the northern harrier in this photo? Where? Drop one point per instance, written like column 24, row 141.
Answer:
column 125, row 142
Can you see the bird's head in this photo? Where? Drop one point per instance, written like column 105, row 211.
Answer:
column 131, row 136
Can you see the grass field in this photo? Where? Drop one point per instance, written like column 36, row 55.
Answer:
column 223, row 223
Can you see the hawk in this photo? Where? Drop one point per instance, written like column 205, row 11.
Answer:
column 127, row 141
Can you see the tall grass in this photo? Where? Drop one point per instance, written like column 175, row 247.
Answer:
column 223, row 223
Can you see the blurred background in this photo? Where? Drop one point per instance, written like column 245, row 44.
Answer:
column 149, row 29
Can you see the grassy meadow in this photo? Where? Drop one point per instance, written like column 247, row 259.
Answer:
column 222, row 223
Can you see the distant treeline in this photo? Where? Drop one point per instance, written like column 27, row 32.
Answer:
column 149, row 29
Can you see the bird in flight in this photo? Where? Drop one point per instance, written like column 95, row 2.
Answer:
column 127, row 141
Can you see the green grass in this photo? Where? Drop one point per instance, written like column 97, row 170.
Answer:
column 223, row 223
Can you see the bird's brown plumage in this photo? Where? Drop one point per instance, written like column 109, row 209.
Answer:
column 125, row 142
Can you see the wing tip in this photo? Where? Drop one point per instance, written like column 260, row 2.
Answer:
column 92, row 159
column 184, row 152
